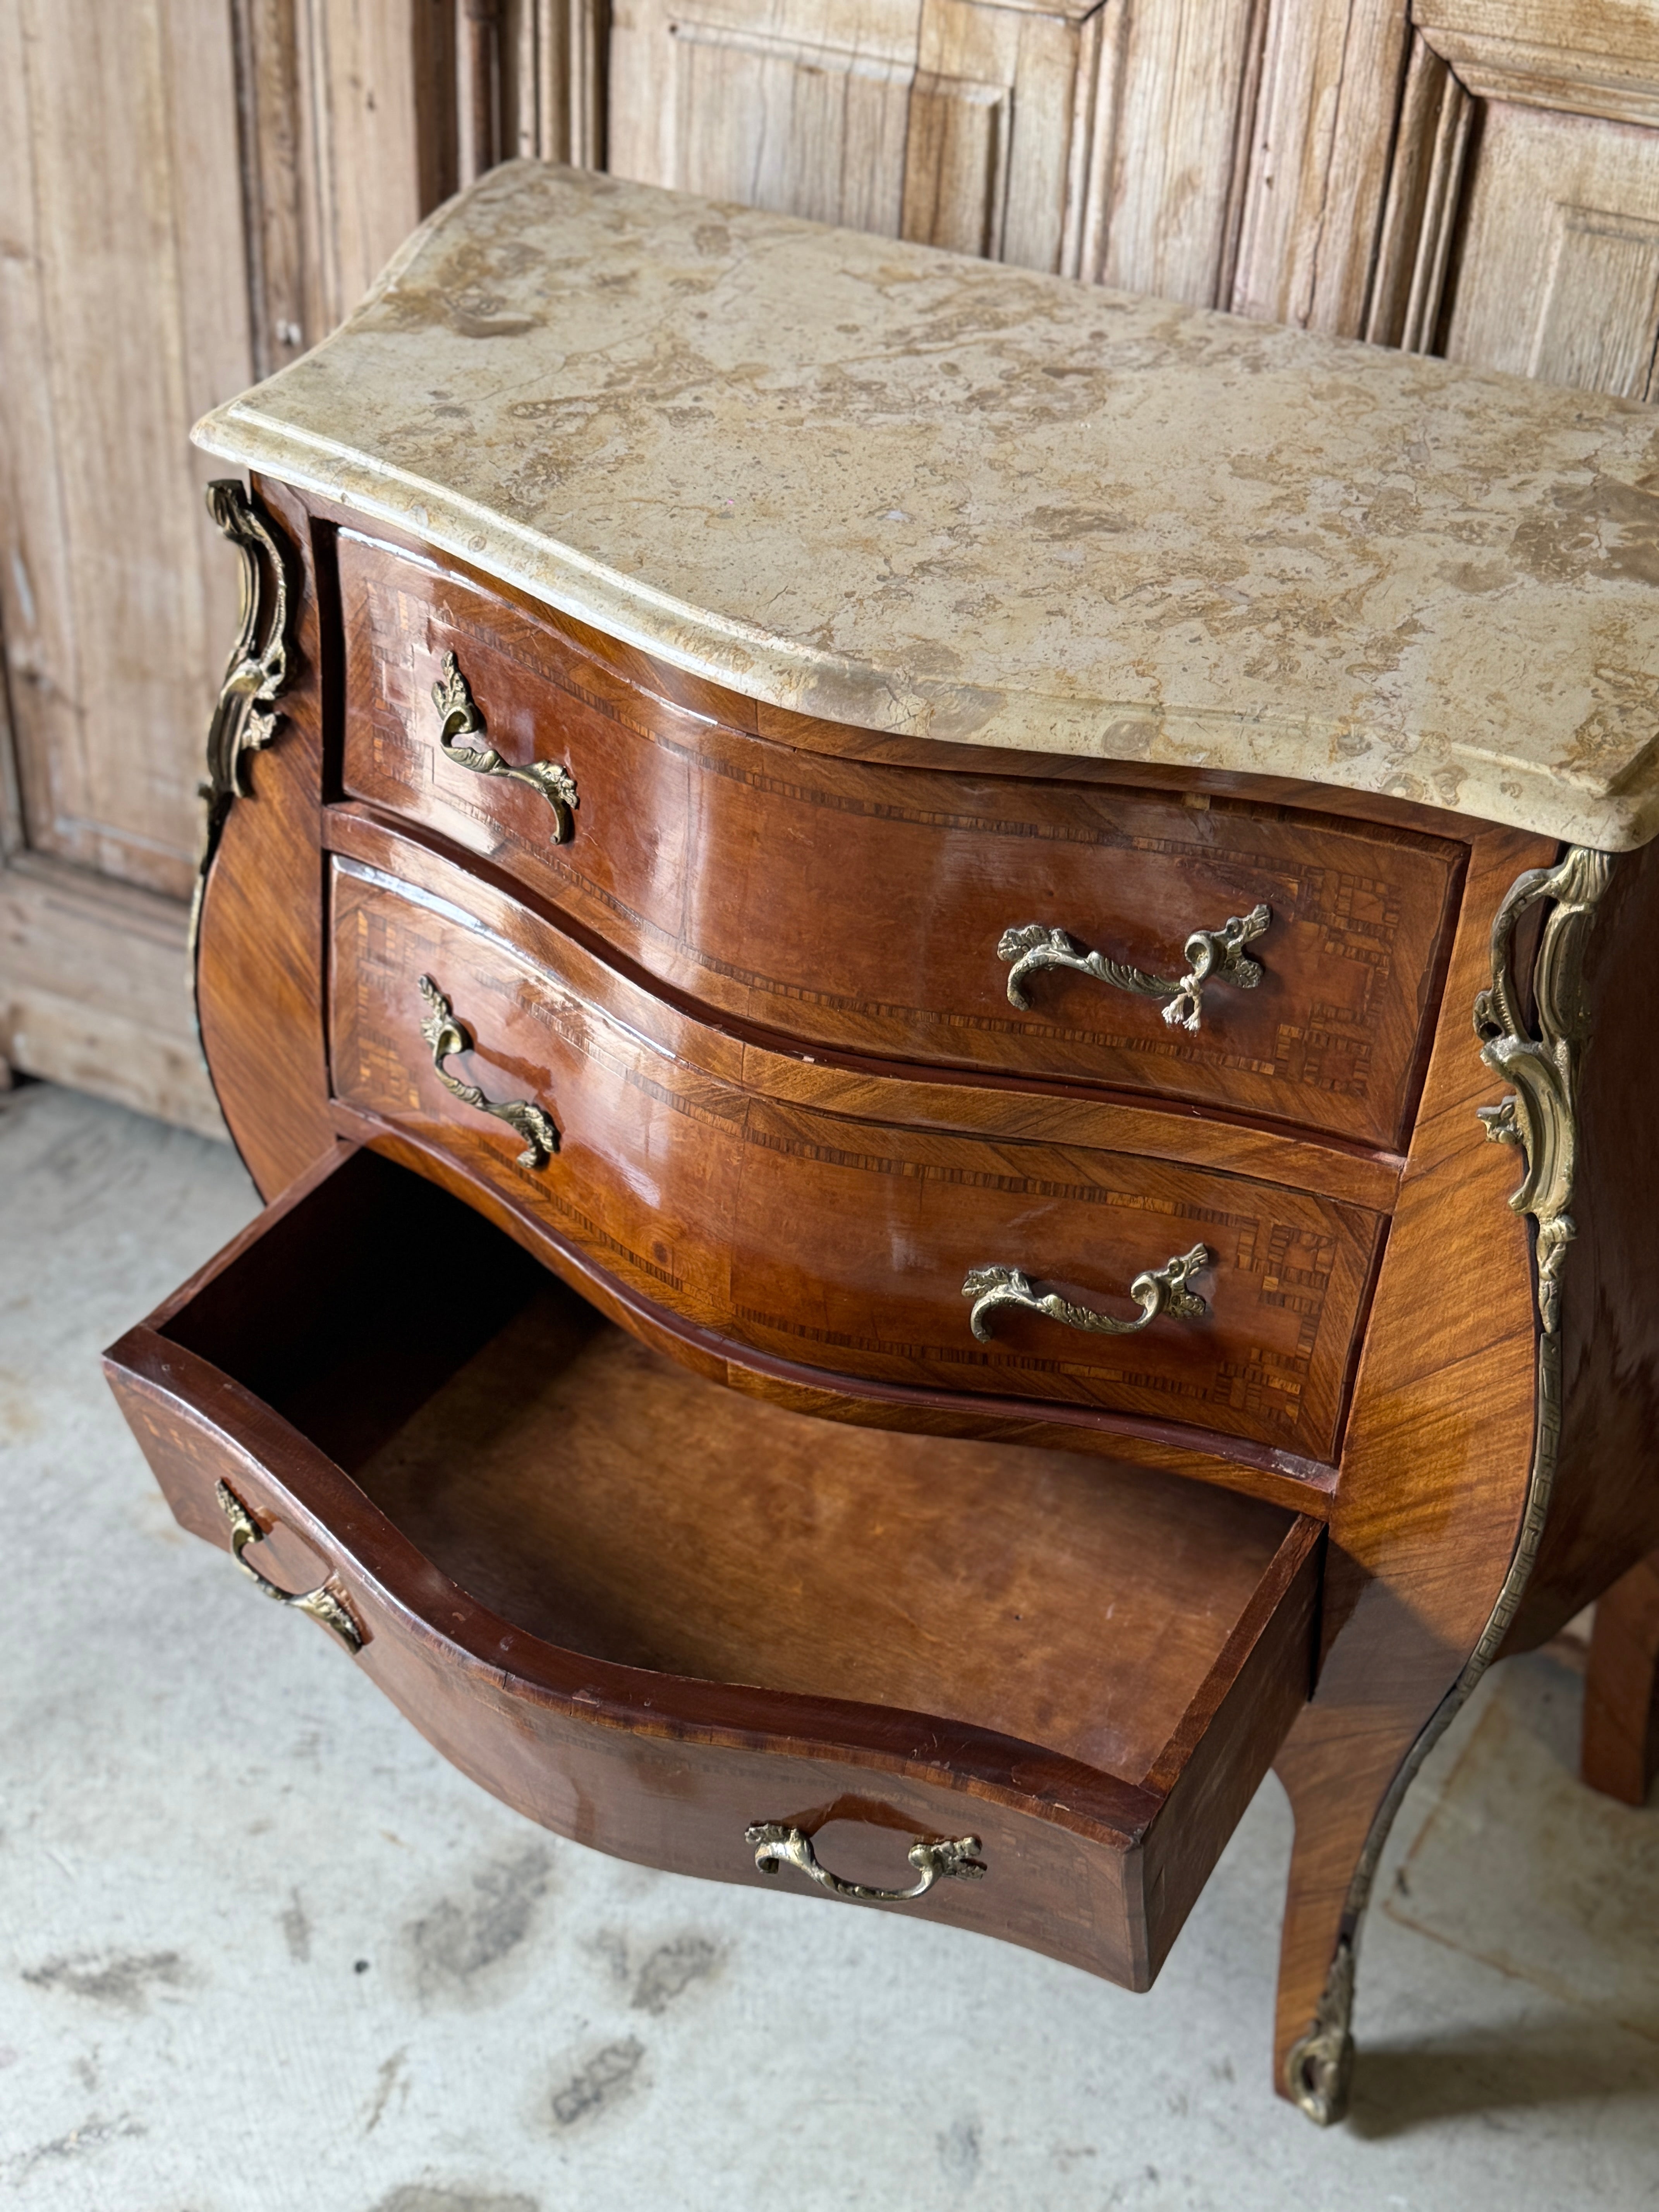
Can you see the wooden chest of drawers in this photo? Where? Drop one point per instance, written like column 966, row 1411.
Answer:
column 854, row 1009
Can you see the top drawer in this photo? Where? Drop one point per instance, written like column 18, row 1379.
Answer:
column 873, row 909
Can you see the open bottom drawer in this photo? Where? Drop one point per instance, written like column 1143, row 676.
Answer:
column 711, row 1634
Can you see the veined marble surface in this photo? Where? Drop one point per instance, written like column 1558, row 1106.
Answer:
column 916, row 493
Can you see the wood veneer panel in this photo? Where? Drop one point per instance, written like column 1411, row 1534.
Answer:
column 1434, row 1472
column 839, row 1243
column 861, row 1088
column 859, row 906
column 611, row 1501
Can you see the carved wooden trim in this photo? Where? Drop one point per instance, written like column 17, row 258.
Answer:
column 1610, row 69
column 531, row 81
column 1425, row 191
column 480, row 123
column 956, row 164
column 1089, row 155
column 11, row 791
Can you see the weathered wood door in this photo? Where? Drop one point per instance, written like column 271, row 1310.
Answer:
column 191, row 191
column 1106, row 142
column 1474, row 177
column 1546, row 153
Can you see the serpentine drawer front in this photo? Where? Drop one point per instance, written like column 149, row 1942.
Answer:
column 373, row 1384
column 890, row 910
column 902, row 1255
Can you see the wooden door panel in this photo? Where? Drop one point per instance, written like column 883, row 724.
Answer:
column 123, row 306
column 1179, row 81
column 1104, row 141
column 991, row 118
column 1559, row 271
column 796, row 108
column 1521, row 230
column 190, row 191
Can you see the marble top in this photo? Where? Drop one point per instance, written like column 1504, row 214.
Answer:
column 919, row 493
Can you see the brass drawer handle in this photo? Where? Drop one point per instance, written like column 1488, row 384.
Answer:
column 777, row 1845
column 459, row 718
column 1213, row 956
column 1160, row 1290
column 320, row 1604
column 446, row 1036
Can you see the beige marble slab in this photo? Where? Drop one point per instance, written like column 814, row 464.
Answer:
column 918, row 493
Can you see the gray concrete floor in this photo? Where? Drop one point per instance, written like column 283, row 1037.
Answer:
column 260, row 1949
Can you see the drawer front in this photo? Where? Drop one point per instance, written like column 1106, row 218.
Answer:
column 536, row 1726
column 852, row 905
column 839, row 1244
column 659, row 1618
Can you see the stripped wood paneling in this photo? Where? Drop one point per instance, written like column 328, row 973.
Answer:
column 1184, row 81
column 190, row 190
column 123, row 288
column 948, row 121
column 1319, row 161
column 1425, row 203
column 1559, row 274
column 91, row 992
column 1578, row 56
column 789, row 106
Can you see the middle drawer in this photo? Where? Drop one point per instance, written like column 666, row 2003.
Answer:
column 846, row 1243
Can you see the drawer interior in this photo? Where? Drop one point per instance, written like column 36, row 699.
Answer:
column 611, row 1504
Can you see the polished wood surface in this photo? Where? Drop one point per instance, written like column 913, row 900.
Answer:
column 553, row 1609
column 844, row 1245
column 598, row 1495
column 1262, row 1471
column 860, row 1088
column 1605, row 1512
column 1434, row 1471
column 860, row 906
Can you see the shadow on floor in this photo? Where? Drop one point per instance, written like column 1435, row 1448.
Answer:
column 1563, row 2060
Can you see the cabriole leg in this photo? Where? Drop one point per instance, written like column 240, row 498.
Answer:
column 1344, row 1766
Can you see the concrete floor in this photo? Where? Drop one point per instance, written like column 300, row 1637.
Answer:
column 259, row 1949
